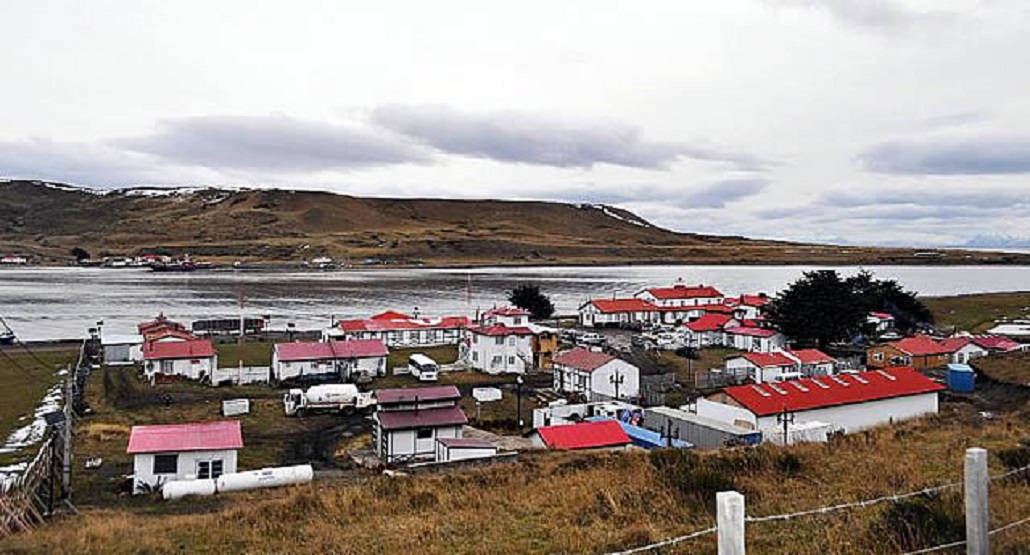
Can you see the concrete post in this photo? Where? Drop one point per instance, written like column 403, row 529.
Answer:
column 729, row 510
column 977, row 515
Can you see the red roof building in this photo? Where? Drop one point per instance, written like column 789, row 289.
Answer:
column 614, row 306
column 331, row 350
column 709, row 322
column 422, row 418
column 500, row 330
column 197, row 436
column 752, row 332
column 408, row 395
column 193, row 348
column 680, row 291
column 819, row 393
column 997, row 343
column 810, row 356
column 583, row 359
column 587, row 435
column 920, row 345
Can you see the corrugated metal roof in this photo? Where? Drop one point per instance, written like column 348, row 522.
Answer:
column 685, row 292
column 408, row 394
column 353, row 348
column 814, row 393
column 583, row 359
column 196, row 436
column 421, row 418
column 588, row 435
column 195, row 348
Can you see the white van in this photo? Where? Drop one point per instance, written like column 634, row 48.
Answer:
column 423, row 367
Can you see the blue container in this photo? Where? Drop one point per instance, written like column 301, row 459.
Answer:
column 961, row 378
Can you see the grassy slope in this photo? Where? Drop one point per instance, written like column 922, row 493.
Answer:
column 1013, row 368
column 273, row 225
column 976, row 313
column 23, row 382
column 568, row 503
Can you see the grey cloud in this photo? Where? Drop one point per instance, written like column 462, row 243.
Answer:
column 981, row 156
column 77, row 163
column 532, row 139
column 716, row 195
column 925, row 197
column 273, row 143
column 877, row 14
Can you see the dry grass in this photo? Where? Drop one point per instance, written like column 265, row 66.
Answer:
column 976, row 313
column 1013, row 368
column 574, row 503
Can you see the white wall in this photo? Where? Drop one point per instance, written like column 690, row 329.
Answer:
column 510, row 356
column 860, row 416
column 401, row 444
column 722, row 412
column 283, row 370
column 967, row 353
column 756, row 344
column 182, row 367
column 602, row 388
column 143, row 467
column 448, row 454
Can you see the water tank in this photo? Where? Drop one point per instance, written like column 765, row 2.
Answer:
column 181, row 488
column 961, row 378
column 331, row 393
column 266, row 478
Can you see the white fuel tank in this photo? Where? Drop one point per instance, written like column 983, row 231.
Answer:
column 181, row 488
column 266, row 478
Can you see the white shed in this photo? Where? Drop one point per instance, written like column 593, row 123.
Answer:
column 122, row 350
column 450, row 449
column 194, row 451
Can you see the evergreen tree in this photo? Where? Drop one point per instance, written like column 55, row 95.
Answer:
column 528, row 297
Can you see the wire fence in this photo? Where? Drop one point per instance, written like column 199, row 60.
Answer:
column 843, row 506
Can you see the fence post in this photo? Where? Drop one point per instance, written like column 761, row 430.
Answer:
column 729, row 511
column 976, row 491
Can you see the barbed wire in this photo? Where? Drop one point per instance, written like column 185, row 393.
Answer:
column 668, row 542
column 863, row 503
column 1012, row 472
column 963, row 542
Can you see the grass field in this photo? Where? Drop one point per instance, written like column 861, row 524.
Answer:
column 254, row 354
column 23, row 382
column 1013, row 368
column 552, row 502
column 976, row 313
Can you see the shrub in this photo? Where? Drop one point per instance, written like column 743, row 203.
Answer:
column 1018, row 457
column 919, row 522
column 788, row 464
column 692, row 479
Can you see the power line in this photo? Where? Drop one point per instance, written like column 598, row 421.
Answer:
column 17, row 365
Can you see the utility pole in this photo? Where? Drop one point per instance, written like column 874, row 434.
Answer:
column 977, row 482
column 66, row 460
column 786, row 418
column 617, row 379
column 518, row 394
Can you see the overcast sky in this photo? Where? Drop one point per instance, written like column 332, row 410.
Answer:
column 857, row 121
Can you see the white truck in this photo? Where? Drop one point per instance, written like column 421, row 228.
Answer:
column 335, row 397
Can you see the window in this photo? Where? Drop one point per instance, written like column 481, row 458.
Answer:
column 167, row 366
column 518, row 320
column 475, row 338
column 878, row 356
column 166, row 464
column 475, row 356
column 499, row 340
column 209, row 469
column 424, row 433
column 511, row 341
column 511, row 360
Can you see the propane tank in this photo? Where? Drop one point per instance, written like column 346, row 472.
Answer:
column 181, row 488
column 266, row 478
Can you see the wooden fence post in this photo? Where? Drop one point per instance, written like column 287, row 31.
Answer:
column 729, row 511
column 976, row 490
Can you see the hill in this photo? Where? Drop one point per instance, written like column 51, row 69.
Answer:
column 47, row 220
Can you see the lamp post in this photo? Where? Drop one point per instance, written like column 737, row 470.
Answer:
column 518, row 396
column 786, row 418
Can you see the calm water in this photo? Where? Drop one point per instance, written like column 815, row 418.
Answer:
column 60, row 303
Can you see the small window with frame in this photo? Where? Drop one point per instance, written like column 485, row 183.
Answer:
column 424, row 433
column 166, row 464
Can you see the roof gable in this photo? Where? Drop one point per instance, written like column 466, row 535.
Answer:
column 920, row 345
column 680, row 291
column 410, row 394
column 609, row 306
column 709, row 322
column 194, row 348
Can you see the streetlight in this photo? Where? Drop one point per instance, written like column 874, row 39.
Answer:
column 518, row 394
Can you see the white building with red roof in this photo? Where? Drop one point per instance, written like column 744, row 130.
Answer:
column 501, row 343
column 192, row 359
column 812, row 363
column 681, row 302
column 763, row 367
column 399, row 330
column 194, row 451
column 347, row 360
column 748, row 307
column 409, row 422
column 709, row 329
column 602, row 434
column 617, row 312
column 848, row 402
column 594, row 375
column 754, row 339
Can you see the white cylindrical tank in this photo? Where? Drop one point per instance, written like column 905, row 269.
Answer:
column 266, row 478
column 337, row 393
column 181, row 488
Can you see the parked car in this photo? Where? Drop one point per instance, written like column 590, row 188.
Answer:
column 592, row 339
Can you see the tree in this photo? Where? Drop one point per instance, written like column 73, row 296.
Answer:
column 818, row 309
column 80, row 254
column 528, row 297
column 821, row 307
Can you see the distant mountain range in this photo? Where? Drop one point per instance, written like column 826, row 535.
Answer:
column 999, row 241
column 47, row 220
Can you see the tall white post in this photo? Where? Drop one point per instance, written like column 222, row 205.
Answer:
column 729, row 518
column 977, row 514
